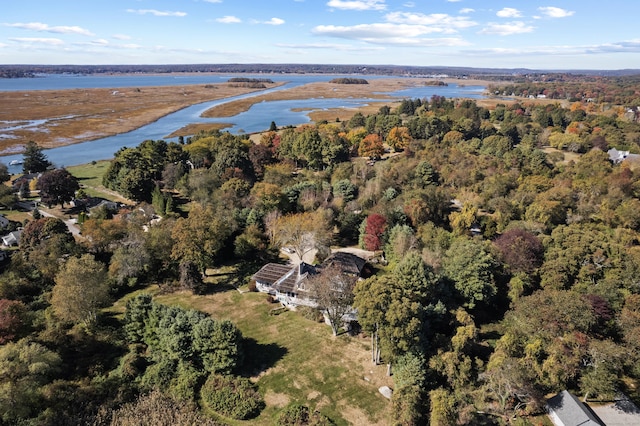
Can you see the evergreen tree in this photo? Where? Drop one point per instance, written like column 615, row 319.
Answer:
column 34, row 159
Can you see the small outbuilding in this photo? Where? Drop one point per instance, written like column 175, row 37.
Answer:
column 12, row 238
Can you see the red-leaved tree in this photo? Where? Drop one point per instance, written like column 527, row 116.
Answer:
column 375, row 226
column 11, row 319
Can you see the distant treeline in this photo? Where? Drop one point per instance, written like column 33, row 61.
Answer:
column 252, row 83
column 513, row 74
column 349, row 81
column 249, row 80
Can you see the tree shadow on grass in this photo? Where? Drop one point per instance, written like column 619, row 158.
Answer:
column 259, row 357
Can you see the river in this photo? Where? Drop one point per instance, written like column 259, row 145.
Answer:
column 256, row 119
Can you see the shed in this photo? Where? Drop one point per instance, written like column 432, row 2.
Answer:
column 12, row 238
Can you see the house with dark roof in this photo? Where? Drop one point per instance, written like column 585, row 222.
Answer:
column 287, row 283
column 566, row 410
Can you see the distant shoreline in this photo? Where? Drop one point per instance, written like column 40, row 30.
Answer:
column 74, row 116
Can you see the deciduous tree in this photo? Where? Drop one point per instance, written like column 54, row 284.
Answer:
column 199, row 238
column 371, row 146
column 12, row 313
column 81, row 290
column 332, row 289
column 471, row 268
column 301, row 232
column 24, row 368
column 57, row 187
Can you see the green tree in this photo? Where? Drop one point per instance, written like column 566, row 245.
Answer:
column 218, row 345
column 409, row 394
column 443, row 408
column 471, row 267
column 200, row 237
column 34, row 160
column 81, row 290
column 25, row 367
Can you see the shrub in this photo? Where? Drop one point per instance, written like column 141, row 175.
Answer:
column 310, row 313
column 234, row 397
column 299, row 415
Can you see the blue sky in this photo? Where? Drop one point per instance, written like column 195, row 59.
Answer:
column 540, row 34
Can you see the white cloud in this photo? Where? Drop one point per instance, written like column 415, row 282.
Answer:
column 388, row 33
column 229, row 20
column 212, row 1
column 510, row 28
column 555, row 12
column 38, row 26
column 100, row 42
column 38, row 40
column 453, row 1
column 629, row 46
column 274, row 21
column 467, row 10
column 357, row 4
column 121, row 37
column 436, row 22
column 156, row 12
column 509, row 12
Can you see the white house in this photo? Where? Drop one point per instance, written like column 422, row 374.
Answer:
column 287, row 282
column 12, row 238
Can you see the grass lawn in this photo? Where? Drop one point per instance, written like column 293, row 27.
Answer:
column 90, row 179
column 293, row 359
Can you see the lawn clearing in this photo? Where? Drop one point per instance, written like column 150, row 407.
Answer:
column 293, row 359
column 90, row 179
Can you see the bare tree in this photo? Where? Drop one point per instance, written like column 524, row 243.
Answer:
column 332, row 289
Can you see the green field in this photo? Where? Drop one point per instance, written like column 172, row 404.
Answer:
column 90, row 179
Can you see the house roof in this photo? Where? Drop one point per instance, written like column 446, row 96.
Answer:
column 287, row 278
column 12, row 238
column 271, row 272
column 284, row 278
column 349, row 263
column 570, row 411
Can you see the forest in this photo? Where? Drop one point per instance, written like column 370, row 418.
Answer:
column 509, row 246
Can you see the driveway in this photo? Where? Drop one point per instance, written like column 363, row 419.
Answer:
column 71, row 223
column 622, row 412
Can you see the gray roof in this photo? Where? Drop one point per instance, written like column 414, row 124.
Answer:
column 284, row 278
column 347, row 262
column 570, row 411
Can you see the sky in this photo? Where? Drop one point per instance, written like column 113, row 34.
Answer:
column 536, row 34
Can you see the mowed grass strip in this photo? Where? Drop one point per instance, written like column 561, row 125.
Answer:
column 293, row 359
column 90, row 179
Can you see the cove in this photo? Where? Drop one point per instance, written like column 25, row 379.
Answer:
column 256, row 119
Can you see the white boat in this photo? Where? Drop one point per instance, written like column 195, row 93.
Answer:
column 15, row 162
